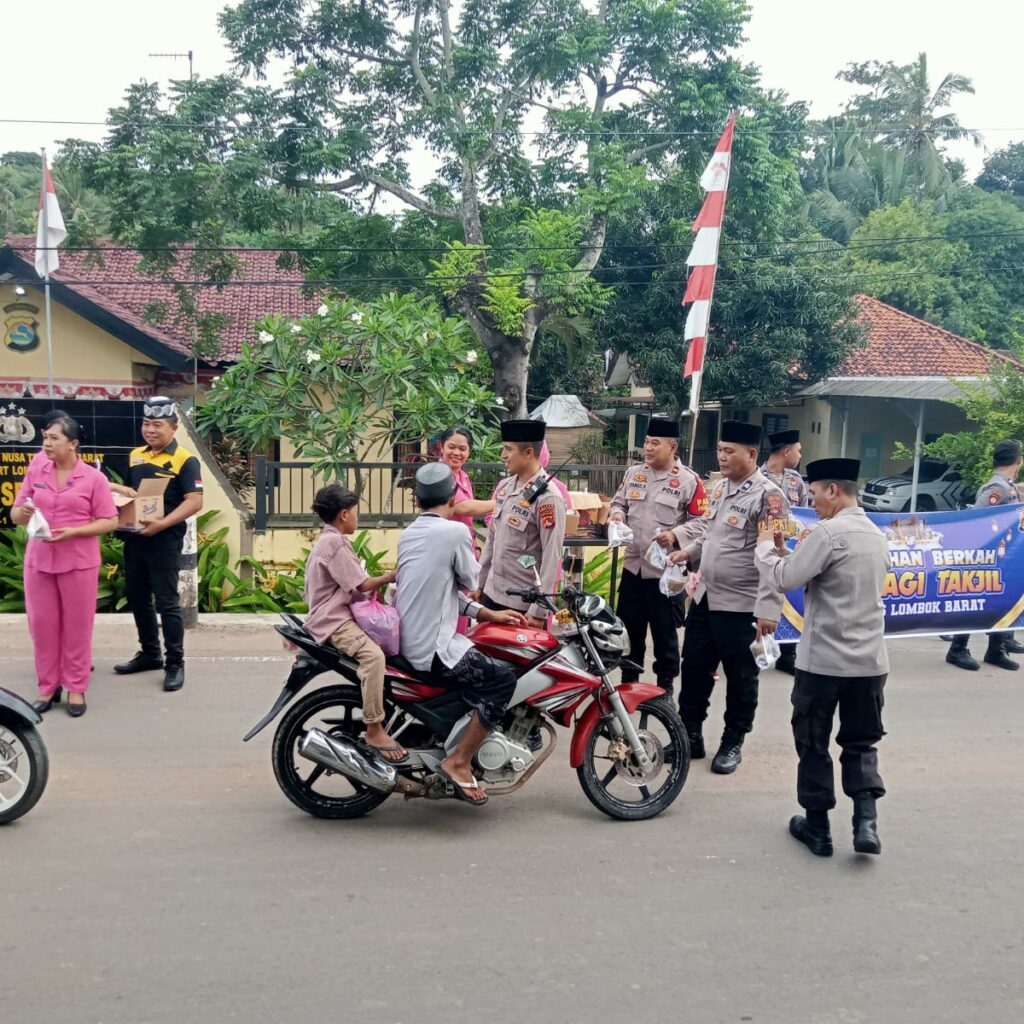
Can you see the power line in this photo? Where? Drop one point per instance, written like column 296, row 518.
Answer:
column 814, row 132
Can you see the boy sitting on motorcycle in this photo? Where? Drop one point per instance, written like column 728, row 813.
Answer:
column 334, row 579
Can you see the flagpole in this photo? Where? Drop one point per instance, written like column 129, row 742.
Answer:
column 46, row 288
column 697, row 378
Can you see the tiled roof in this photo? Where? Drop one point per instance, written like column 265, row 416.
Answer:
column 901, row 345
column 120, row 288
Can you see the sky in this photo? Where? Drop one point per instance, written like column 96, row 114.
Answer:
column 92, row 51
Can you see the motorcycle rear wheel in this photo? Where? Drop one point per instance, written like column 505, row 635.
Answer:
column 610, row 778
column 24, row 769
column 324, row 794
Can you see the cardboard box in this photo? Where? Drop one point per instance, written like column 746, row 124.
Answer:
column 588, row 506
column 135, row 513
column 572, row 524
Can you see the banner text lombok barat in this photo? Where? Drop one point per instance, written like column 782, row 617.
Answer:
column 949, row 572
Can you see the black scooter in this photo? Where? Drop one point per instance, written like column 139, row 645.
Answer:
column 24, row 763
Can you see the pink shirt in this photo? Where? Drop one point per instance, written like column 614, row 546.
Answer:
column 464, row 492
column 84, row 498
column 333, row 576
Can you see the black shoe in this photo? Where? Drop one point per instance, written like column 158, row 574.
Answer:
column 535, row 740
column 962, row 658
column 728, row 758
column 667, row 685
column 76, row 710
column 817, row 841
column 175, row 678
column 1012, row 647
column 140, row 663
column 40, row 707
column 865, row 835
column 999, row 658
column 697, row 751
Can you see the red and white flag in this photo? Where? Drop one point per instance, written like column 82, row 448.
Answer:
column 703, row 260
column 50, row 230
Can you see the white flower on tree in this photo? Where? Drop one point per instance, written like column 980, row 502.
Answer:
column 322, row 309
column 296, row 329
column 356, row 317
column 266, row 337
column 312, row 357
column 471, row 356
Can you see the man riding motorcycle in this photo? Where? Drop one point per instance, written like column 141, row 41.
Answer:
column 436, row 562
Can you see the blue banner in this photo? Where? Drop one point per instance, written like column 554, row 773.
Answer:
column 949, row 572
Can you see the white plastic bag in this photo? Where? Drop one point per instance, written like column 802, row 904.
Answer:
column 673, row 580
column 619, row 534
column 38, row 528
column 657, row 555
column 766, row 651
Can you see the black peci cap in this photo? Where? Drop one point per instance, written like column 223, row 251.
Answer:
column 661, row 427
column 833, row 469
column 523, row 431
column 1006, row 453
column 784, row 437
column 159, row 407
column 734, row 432
column 435, row 484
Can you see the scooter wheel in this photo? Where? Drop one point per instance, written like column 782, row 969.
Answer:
column 24, row 769
column 338, row 711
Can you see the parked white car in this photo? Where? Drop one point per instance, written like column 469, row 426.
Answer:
column 939, row 488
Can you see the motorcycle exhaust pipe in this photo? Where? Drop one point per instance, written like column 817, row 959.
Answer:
column 344, row 757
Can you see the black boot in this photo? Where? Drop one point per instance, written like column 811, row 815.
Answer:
column 142, row 662
column 960, row 655
column 787, row 660
column 174, row 679
column 996, row 655
column 729, row 755
column 667, row 685
column 696, row 737
column 813, row 832
column 1011, row 646
column 865, row 824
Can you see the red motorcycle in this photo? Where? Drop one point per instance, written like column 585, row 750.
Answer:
column 628, row 745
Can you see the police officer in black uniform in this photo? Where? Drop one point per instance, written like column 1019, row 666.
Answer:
column 152, row 555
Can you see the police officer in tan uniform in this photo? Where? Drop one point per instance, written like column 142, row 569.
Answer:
column 732, row 606
column 528, row 521
column 841, row 661
column 656, row 496
column 784, row 454
column 1000, row 489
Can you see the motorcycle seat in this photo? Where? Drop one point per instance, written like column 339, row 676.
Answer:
column 398, row 662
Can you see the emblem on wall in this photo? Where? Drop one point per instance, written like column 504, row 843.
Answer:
column 21, row 328
column 15, row 426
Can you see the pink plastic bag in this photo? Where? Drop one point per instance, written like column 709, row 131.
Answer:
column 379, row 622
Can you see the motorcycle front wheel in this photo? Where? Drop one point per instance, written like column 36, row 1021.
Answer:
column 338, row 711
column 613, row 781
column 24, row 769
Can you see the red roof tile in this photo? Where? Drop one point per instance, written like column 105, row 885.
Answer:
column 119, row 287
column 901, row 345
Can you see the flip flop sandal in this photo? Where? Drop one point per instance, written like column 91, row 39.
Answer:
column 371, row 749
column 461, row 787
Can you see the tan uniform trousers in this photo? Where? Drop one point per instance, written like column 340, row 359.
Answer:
column 351, row 640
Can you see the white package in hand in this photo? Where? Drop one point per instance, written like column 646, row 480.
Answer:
column 673, row 581
column 766, row 651
column 657, row 555
column 38, row 528
column 619, row 534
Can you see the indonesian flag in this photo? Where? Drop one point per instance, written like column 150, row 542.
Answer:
column 50, row 230
column 703, row 260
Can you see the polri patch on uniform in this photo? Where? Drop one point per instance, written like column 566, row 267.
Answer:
column 747, row 485
column 640, row 478
column 774, row 502
column 804, row 534
column 733, row 520
column 674, row 482
column 547, row 516
column 993, row 498
column 514, row 521
column 634, row 495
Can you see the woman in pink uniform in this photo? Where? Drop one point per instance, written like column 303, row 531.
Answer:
column 62, row 573
column 456, row 448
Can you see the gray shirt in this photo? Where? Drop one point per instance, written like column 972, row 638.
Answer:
column 792, row 485
column 999, row 489
column 841, row 563
column 520, row 528
column 722, row 543
column 436, row 561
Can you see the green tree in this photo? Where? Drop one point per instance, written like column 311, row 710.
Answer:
column 352, row 380
column 1004, row 171
column 997, row 413
column 887, row 145
column 613, row 89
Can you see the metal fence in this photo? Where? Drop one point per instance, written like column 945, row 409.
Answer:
column 284, row 490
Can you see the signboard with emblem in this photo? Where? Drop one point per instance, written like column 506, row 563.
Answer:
column 21, row 326
column 112, row 430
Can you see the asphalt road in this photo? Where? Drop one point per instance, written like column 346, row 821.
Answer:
column 163, row 878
